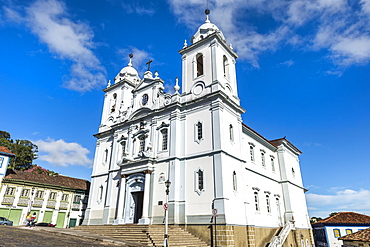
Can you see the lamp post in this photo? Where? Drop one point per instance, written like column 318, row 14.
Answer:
column 165, row 242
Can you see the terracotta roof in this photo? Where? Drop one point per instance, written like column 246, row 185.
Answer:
column 346, row 218
column 57, row 180
column 6, row 150
column 257, row 134
column 277, row 142
column 363, row 235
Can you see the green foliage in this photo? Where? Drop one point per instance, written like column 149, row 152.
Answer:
column 24, row 150
column 332, row 214
column 39, row 170
column 315, row 219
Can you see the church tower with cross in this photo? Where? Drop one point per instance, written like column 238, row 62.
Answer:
column 218, row 167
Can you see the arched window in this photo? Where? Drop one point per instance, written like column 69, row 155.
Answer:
column 251, row 152
column 100, row 194
column 199, row 58
column 268, row 204
column 199, row 181
column 199, row 131
column 272, row 164
column 256, row 202
column 164, row 139
column 226, row 67
column 114, row 101
column 234, row 181
column 231, row 132
column 106, row 155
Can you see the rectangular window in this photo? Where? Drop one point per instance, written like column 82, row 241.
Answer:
column 10, row 191
column 65, row 197
column 25, row 193
column 348, row 231
column 123, row 144
column 336, row 233
column 164, row 139
column 142, row 144
column 52, row 195
column 251, row 152
column 77, row 199
column 39, row 194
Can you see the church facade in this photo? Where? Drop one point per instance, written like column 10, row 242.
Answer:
column 217, row 165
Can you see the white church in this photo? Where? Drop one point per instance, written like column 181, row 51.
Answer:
column 195, row 138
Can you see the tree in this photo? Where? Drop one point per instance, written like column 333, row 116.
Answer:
column 332, row 214
column 315, row 219
column 25, row 151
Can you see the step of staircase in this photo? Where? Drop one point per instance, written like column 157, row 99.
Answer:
column 146, row 235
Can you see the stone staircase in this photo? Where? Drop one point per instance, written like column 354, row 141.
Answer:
column 145, row 235
column 278, row 240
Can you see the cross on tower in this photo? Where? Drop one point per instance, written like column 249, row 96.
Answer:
column 148, row 63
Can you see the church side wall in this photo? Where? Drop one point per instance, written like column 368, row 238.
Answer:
column 199, row 201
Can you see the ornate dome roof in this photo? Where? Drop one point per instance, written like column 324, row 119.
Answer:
column 129, row 73
column 206, row 29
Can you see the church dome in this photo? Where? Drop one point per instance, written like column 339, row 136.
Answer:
column 205, row 30
column 129, row 73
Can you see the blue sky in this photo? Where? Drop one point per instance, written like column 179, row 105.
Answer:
column 303, row 72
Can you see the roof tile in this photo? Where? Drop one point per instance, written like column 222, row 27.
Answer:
column 57, row 180
column 6, row 150
column 345, row 218
column 363, row 235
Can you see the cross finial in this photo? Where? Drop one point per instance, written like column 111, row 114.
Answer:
column 148, row 63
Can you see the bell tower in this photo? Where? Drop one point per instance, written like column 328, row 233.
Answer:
column 208, row 64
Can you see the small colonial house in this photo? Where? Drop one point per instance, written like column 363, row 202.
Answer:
column 357, row 239
column 55, row 199
column 5, row 155
column 328, row 232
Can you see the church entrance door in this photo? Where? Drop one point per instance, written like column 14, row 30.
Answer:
column 134, row 198
column 138, row 199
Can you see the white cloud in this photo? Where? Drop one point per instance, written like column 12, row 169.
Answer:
column 342, row 200
column 365, row 6
column 136, row 8
column 61, row 153
column 68, row 39
column 333, row 26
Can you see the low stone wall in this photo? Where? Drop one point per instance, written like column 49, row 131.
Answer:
column 246, row 236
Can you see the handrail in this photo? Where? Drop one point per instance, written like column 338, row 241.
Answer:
column 278, row 241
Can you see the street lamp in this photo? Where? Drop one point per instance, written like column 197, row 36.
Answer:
column 168, row 184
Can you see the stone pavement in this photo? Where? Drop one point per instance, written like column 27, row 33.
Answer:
column 22, row 236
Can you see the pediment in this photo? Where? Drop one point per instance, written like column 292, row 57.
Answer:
column 142, row 112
